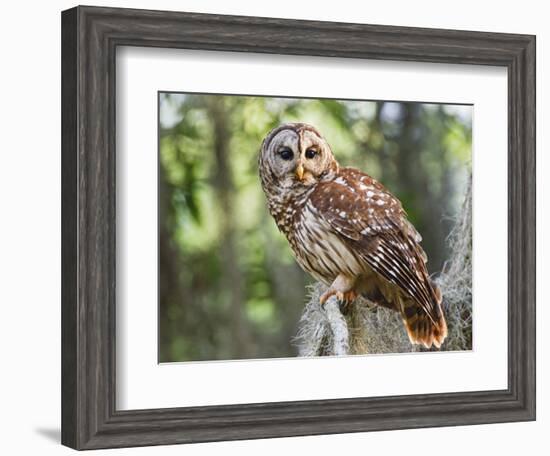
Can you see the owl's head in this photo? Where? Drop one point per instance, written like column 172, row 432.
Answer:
column 295, row 156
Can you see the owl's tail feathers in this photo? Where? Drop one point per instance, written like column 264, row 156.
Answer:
column 424, row 329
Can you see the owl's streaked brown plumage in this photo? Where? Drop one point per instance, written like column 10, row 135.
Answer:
column 348, row 231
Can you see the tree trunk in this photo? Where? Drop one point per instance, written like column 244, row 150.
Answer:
column 232, row 279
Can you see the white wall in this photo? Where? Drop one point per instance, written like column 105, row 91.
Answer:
column 30, row 224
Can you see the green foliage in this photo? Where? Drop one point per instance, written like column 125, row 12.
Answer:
column 229, row 286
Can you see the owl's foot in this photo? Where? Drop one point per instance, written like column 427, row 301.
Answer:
column 343, row 289
column 345, row 298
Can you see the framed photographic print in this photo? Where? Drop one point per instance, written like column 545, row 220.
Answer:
column 278, row 228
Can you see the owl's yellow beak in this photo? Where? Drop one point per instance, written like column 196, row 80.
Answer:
column 300, row 171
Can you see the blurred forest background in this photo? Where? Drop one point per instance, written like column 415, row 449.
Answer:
column 229, row 287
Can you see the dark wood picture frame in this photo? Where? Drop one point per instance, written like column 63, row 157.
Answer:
column 90, row 36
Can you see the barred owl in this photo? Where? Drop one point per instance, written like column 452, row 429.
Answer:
column 348, row 231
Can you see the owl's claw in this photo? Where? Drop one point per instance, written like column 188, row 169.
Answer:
column 345, row 298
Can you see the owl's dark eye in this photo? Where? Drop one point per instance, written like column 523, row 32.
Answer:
column 310, row 153
column 286, row 153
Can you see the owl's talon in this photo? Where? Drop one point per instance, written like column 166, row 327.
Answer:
column 327, row 294
column 349, row 296
column 345, row 299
